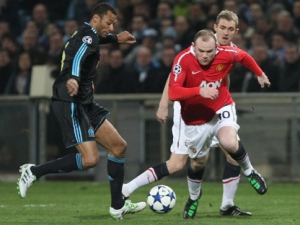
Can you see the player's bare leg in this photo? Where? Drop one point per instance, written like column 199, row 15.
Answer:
column 176, row 162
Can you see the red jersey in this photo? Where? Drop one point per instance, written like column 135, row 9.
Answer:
column 188, row 76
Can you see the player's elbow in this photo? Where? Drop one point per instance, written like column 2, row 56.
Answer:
column 172, row 98
column 172, row 95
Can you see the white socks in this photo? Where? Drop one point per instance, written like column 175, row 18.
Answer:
column 194, row 188
column 146, row 177
column 229, row 189
column 246, row 165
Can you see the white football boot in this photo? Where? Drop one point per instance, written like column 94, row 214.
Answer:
column 26, row 179
column 128, row 207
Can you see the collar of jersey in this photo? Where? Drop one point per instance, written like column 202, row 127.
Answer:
column 91, row 27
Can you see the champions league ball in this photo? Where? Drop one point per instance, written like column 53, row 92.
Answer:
column 161, row 199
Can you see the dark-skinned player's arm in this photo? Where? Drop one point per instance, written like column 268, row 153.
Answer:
column 123, row 37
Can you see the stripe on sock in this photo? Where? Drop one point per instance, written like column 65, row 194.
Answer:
column 117, row 160
column 151, row 170
column 194, row 181
column 225, row 181
column 79, row 161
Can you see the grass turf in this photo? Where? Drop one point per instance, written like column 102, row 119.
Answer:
column 88, row 203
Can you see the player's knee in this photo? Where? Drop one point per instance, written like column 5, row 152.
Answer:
column 91, row 160
column 227, row 137
column 199, row 163
column 119, row 149
column 230, row 144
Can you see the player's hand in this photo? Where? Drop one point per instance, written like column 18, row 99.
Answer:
column 263, row 80
column 126, row 37
column 162, row 114
column 72, row 86
column 209, row 92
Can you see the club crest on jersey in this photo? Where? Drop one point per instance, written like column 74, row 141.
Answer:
column 87, row 39
column 177, row 69
column 91, row 132
column 219, row 67
column 193, row 150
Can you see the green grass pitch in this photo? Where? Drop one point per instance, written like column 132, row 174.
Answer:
column 88, row 203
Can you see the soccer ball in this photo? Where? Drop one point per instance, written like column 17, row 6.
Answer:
column 161, row 199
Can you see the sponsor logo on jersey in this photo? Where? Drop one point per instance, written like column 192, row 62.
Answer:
column 219, row 67
column 195, row 72
column 87, row 39
column 215, row 84
column 177, row 69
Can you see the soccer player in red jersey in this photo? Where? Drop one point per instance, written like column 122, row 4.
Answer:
column 226, row 27
column 198, row 81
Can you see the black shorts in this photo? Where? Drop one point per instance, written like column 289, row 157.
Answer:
column 78, row 123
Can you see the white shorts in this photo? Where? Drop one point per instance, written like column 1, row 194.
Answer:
column 179, row 146
column 199, row 137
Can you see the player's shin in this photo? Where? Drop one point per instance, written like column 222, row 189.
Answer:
column 65, row 164
column 231, row 178
column 194, row 180
column 241, row 157
column 151, row 175
column 115, row 170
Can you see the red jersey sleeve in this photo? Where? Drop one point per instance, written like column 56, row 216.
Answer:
column 177, row 91
column 182, row 93
column 246, row 60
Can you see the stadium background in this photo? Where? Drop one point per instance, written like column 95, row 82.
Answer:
column 29, row 132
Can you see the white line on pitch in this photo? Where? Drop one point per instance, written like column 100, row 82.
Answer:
column 39, row 205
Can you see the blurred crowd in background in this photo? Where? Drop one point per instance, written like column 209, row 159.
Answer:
column 35, row 32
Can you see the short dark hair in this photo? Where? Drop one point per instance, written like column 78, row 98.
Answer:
column 205, row 35
column 102, row 8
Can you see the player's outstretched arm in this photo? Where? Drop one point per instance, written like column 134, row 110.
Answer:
column 126, row 38
column 246, row 60
column 162, row 111
column 263, row 80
